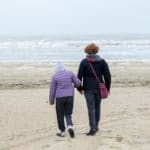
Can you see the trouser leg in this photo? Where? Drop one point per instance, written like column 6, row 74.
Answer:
column 60, row 113
column 68, row 110
column 97, row 109
column 90, row 100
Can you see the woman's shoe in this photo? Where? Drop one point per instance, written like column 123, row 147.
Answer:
column 91, row 132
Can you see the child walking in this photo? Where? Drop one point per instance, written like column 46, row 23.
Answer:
column 62, row 89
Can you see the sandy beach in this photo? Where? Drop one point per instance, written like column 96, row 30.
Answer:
column 28, row 122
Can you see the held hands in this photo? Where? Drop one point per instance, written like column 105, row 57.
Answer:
column 82, row 92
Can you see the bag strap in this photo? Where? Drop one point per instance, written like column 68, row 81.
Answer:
column 93, row 71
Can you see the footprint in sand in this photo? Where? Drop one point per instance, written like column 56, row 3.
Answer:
column 119, row 138
column 141, row 109
column 108, row 131
column 46, row 146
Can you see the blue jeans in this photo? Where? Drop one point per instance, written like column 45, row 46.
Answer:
column 64, row 107
column 93, row 101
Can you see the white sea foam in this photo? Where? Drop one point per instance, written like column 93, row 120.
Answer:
column 47, row 50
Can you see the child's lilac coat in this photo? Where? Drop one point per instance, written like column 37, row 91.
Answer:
column 62, row 85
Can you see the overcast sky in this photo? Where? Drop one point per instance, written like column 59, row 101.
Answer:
column 46, row 17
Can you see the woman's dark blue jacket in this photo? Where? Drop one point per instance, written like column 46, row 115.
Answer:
column 85, row 74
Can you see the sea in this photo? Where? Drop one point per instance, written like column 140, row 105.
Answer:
column 70, row 49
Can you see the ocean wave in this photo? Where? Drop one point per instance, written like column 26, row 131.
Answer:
column 71, row 50
column 69, row 44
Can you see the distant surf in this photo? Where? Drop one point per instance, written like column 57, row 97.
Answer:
column 48, row 50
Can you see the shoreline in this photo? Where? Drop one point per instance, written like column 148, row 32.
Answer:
column 74, row 62
column 24, row 76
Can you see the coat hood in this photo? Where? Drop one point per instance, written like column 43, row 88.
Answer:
column 59, row 67
column 93, row 58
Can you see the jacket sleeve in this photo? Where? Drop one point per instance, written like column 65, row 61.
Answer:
column 80, row 75
column 75, row 80
column 52, row 91
column 107, row 76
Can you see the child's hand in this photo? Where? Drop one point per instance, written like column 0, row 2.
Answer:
column 51, row 103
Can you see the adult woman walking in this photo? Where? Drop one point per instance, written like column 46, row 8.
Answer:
column 90, row 86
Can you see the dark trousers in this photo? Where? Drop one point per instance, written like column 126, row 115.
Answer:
column 64, row 108
column 93, row 101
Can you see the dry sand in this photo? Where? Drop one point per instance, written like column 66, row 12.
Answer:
column 28, row 122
